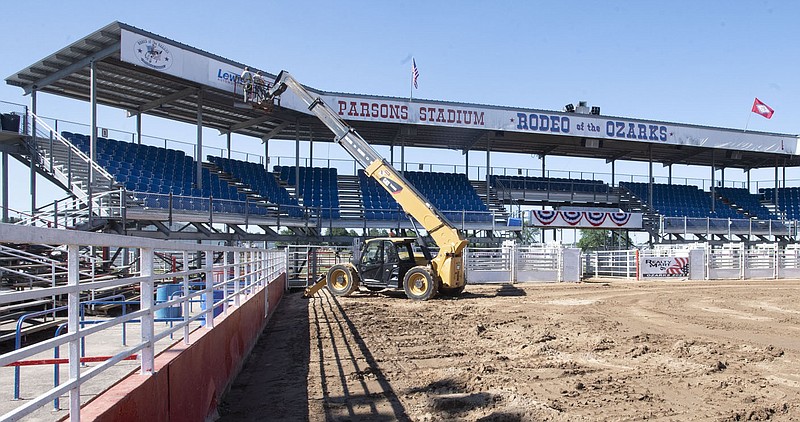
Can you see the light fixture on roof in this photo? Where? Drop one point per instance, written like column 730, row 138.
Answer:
column 595, row 110
column 569, row 108
column 591, row 143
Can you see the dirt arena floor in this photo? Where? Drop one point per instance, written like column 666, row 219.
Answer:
column 709, row 351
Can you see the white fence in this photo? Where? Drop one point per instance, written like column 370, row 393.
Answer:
column 514, row 264
column 215, row 276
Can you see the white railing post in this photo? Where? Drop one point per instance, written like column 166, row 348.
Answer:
column 237, row 275
column 209, row 267
column 186, row 301
column 227, row 281
column 146, row 289
column 73, row 321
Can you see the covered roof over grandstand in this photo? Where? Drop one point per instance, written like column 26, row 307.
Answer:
column 146, row 73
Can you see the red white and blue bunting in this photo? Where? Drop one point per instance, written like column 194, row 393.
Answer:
column 585, row 219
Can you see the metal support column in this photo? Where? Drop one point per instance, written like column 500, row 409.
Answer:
column 92, row 136
column 466, row 163
column 488, row 167
column 33, row 156
column 747, row 172
column 650, row 175
column 297, row 159
column 310, row 148
column 199, row 153
column 228, row 143
column 266, row 152
column 139, row 128
column 777, row 203
column 713, row 181
column 613, row 173
column 669, row 177
column 402, row 156
column 543, row 165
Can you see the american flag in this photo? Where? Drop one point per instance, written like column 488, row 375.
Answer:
column 414, row 72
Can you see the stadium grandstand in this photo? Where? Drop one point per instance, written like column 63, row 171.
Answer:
column 144, row 194
column 216, row 197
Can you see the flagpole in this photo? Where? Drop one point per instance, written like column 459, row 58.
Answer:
column 749, row 115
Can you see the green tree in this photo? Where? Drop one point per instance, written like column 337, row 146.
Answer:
column 603, row 239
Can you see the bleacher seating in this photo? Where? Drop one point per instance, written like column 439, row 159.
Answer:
column 154, row 173
column 318, row 188
column 742, row 198
column 451, row 193
column 260, row 181
column 549, row 184
column 788, row 200
column 681, row 201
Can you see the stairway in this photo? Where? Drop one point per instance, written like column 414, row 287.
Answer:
column 491, row 199
column 350, row 203
column 67, row 166
column 629, row 202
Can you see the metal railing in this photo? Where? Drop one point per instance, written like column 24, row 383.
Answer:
column 223, row 276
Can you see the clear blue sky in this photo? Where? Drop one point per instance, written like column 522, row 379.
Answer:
column 678, row 61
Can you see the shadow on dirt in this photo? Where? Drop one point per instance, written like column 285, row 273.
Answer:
column 331, row 318
column 502, row 290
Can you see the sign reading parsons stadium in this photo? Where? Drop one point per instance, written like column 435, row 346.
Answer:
column 164, row 57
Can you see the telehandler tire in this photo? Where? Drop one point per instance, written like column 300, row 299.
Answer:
column 342, row 280
column 419, row 284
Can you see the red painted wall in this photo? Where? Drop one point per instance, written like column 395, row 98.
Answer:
column 189, row 380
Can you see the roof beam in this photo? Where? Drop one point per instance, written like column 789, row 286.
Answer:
column 275, row 131
column 80, row 64
column 617, row 156
column 690, row 153
column 245, row 124
column 547, row 150
column 163, row 100
column 474, row 141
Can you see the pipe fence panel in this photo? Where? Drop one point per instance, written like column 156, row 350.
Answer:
column 619, row 264
column 538, row 264
column 725, row 263
column 489, row 265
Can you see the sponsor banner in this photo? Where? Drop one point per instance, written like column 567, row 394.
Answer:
column 552, row 123
column 164, row 57
column 664, row 267
column 584, row 219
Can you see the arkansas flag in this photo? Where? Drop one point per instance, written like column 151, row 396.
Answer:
column 762, row 109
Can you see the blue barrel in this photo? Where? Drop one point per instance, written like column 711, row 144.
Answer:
column 219, row 296
column 167, row 292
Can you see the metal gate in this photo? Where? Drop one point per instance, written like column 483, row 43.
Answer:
column 534, row 263
column 725, row 263
column 305, row 263
column 789, row 262
column 760, row 263
column 489, row 265
column 620, row 263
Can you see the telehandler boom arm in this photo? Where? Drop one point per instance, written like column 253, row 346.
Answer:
column 447, row 267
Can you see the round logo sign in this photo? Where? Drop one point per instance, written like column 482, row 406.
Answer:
column 153, row 54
